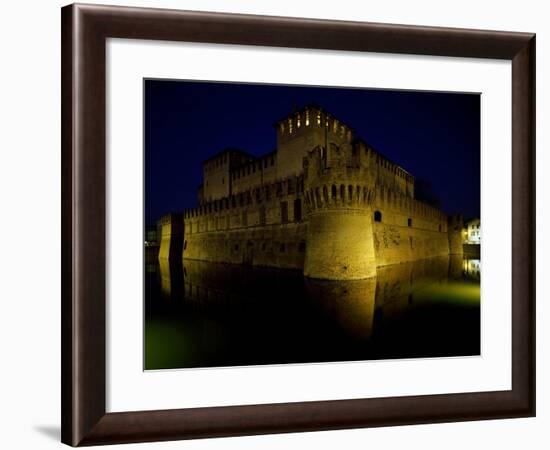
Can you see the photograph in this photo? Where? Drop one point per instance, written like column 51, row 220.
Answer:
column 243, row 225
column 292, row 224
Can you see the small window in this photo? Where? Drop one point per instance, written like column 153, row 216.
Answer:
column 282, row 248
column 377, row 216
column 302, row 247
column 284, row 212
column 439, row 227
column 409, row 222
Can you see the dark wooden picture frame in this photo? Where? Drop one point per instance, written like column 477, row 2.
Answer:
column 85, row 29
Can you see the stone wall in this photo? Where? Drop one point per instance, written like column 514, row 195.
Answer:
column 171, row 236
column 216, row 179
column 340, row 245
column 218, row 171
column 280, row 246
column 405, row 229
column 257, row 173
column 264, row 227
column 456, row 235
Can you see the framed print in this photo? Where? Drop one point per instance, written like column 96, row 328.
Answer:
column 278, row 224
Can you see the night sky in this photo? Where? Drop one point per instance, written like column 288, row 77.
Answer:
column 434, row 136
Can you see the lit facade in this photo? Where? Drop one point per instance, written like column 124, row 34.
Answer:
column 473, row 231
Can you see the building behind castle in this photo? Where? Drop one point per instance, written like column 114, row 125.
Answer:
column 324, row 202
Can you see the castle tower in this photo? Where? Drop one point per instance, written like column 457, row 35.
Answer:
column 217, row 174
column 338, row 197
column 454, row 230
column 171, row 237
column 303, row 130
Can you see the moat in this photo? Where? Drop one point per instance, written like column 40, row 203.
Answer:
column 201, row 314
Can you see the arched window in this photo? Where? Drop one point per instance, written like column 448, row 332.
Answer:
column 377, row 216
column 409, row 222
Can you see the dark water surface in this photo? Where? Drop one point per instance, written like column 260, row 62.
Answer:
column 203, row 314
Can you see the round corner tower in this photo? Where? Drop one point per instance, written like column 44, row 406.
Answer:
column 338, row 198
column 455, row 227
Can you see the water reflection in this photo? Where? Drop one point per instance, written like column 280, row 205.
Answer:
column 472, row 268
column 201, row 314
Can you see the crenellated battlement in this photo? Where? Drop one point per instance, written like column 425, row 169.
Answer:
column 258, row 195
column 336, row 178
column 312, row 118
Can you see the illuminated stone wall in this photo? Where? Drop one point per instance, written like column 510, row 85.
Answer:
column 262, row 227
column 255, row 234
column 456, row 235
column 171, row 236
column 217, row 174
column 258, row 172
column 406, row 230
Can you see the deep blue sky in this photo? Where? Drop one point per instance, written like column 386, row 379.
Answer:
column 434, row 136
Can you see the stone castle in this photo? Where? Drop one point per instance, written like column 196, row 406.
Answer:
column 324, row 202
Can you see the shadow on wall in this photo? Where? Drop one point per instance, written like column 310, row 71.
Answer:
column 50, row 431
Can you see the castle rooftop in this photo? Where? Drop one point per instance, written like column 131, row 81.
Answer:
column 312, row 107
column 228, row 150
